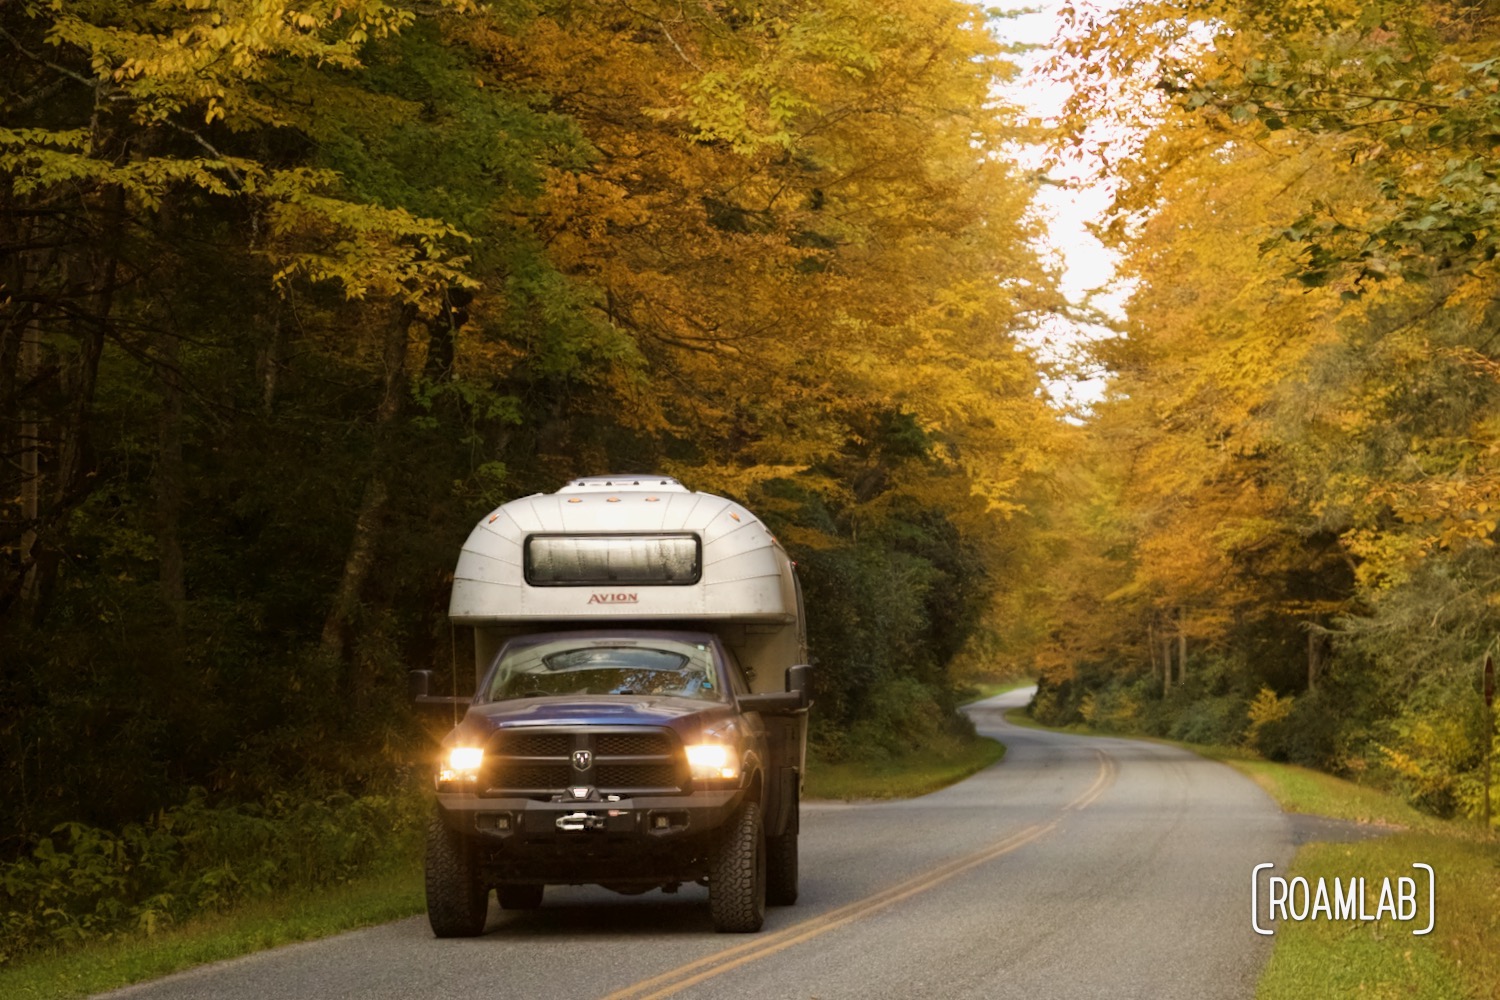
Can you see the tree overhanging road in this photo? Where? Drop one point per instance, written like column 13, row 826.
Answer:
column 1079, row 867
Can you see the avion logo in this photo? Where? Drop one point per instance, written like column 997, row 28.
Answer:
column 614, row 598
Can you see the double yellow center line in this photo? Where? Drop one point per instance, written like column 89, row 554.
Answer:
column 764, row 946
column 1108, row 769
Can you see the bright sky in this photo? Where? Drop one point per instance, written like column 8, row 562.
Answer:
column 1086, row 268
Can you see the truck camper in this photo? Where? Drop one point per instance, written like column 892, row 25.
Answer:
column 639, row 718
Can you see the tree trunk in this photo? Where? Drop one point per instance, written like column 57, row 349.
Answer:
column 1151, row 647
column 362, row 548
column 20, row 422
column 1314, row 656
column 1166, row 657
column 356, row 566
column 78, row 383
column 270, row 354
column 1181, row 653
column 442, row 335
column 99, row 263
column 31, row 469
column 169, row 483
column 23, row 275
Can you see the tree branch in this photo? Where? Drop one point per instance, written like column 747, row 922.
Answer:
column 16, row 42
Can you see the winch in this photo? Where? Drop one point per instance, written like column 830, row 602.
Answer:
column 575, row 822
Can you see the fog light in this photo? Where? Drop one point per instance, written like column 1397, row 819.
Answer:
column 496, row 822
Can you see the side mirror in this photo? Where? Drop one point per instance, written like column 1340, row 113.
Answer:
column 419, row 686
column 796, row 698
column 799, row 679
column 775, row 703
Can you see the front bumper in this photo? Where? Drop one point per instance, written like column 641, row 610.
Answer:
column 641, row 839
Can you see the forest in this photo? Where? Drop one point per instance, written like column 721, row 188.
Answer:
column 295, row 292
column 292, row 293
column 1280, row 530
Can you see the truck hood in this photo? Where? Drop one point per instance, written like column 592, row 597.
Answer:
column 686, row 715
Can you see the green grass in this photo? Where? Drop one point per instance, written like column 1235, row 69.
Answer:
column 98, row 966
column 1459, row 960
column 912, row 774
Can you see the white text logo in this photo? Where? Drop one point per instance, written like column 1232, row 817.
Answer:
column 1400, row 900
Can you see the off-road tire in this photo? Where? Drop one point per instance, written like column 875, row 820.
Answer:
column 737, row 874
column 457, row 900
column 519, row 897
column 781, row 869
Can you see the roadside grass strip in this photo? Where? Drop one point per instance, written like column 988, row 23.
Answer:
column 1383, row 961
column 105, row 965
column 1459, row 959
column 907, row 776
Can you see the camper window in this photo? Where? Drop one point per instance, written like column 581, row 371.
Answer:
column 591, row 560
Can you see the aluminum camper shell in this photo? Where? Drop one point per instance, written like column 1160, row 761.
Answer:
column 606, row 538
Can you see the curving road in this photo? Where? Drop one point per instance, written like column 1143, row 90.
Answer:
column 1077, row 867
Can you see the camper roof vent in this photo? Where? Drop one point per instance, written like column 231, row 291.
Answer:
column 617, row 484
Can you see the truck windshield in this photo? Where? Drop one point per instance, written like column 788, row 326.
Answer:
column 645, row 666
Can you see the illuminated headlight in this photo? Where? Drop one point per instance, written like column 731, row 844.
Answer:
column 713, row 761
column 461, row 764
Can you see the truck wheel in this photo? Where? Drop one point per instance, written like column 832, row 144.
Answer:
column 781, row 870
column 737, row 875
column 457, row 901
column 519, row 897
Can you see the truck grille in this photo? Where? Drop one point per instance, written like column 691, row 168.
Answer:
column 632, row 744
column 614, row 776
column 539, row 763
column 531, row 777
column 534, row 744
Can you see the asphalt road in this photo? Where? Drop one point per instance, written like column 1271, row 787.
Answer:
column 1077, row 867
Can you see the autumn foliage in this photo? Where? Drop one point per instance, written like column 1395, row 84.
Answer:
column 1287, row 505
column 293, row 293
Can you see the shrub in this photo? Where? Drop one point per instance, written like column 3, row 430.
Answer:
column 1112, row 709
column 1265, row 712
column 83, row 882
column 1215, row 721
column 901, row 715
column 1429, row 754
